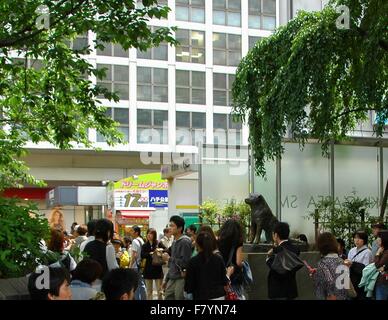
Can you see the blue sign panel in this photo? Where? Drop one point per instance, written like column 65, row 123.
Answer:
column 158, row 198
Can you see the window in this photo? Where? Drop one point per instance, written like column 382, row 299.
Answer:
column 116, row 80
column 112, row 50
column 191, row 47
column 80, row 43
column 190, row 10
column 222, row 89
column 226, row 131
column 158, row 53
column 152, row 84
column 253, row 41
column 226, row 49
column 227, row 12
column 190, row 87
column 262, row 14
column 152, row 126
column 121, row 116
column 160, row 3
column 190, row 128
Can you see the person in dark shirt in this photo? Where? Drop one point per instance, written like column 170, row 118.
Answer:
column 381, row 263
column 97, row 249
column 281, row 286
column 206, row 273
column 230, row 244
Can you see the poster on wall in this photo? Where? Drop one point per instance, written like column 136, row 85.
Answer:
column 144, row 192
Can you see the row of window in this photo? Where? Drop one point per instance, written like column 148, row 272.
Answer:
column 191, row 48
column 152, row 127
column 262, row 13
column 152, row 85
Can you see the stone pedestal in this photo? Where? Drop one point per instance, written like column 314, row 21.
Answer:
column 260, row 270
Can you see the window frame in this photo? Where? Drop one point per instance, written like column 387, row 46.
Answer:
column 112, row 81
column 190, row 47
column 261, row 14
column 153, row 85
column 152, row 127
column 121, row 125
column 229, row 130
column 227, row 49
column 190, row 87
column 190, row 7
column 227, row 89
column 226, row 11
column 152, row 51
column 191, row 128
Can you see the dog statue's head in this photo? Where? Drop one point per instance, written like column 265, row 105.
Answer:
column 254, row 198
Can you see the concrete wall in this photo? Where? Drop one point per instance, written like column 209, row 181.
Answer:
column 259, row 290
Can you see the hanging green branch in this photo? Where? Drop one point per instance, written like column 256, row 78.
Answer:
column 315, row 79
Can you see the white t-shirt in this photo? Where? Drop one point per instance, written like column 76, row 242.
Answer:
column 136, row 246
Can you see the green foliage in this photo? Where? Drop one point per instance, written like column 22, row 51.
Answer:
column 209, row 212
column 343, row 218
column 315, row 80
column 22, row 228
column 56, row 102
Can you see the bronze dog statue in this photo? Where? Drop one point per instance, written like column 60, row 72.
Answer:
column 262, row 218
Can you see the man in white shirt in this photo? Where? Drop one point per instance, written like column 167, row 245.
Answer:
column 137, row 244
column 91, row 230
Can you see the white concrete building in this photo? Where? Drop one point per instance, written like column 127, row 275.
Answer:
column 171, row 97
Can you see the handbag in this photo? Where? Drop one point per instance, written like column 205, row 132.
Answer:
column 157, row 259
column 230, row 293
column 286, row 261
column 247, row 274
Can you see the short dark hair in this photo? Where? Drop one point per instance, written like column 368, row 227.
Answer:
column 104, row 229
column 136, row 229
column 88, row 271
column 362, row 235
column 179, row 222
column 57, row 277
column 327, row 243
column 341, row 242
column 383, row 235
column 282, row 229
column 192, row 227
column 81, row 230
column 92, row 227
column 118, row 282
column 166, row 230
column 303, row 237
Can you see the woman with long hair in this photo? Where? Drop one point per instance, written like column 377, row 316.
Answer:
column 152, row 272
column 56, row 220
column 230, row 244
column 206, row 275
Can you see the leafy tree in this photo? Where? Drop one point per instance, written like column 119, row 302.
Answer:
column 22, row 228
column 315, row 79
column 54, row 100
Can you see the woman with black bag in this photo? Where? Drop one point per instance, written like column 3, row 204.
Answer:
column 153, row 266
column 230, row 244
column 358, row 258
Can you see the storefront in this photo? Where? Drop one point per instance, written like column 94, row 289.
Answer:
column 134, row 199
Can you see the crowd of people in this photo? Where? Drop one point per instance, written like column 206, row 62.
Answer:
column 198, row 264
